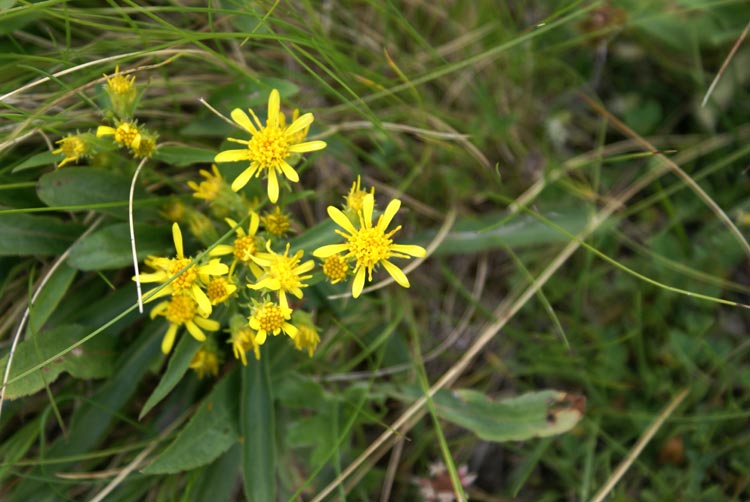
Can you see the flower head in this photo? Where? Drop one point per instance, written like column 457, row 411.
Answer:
column 182, row 311
column 307, row 334
column 370, row 245
column 126, row 134
column 121, row 92
column 336, row 268
column 73, row 147
column 188, row 282
column 210, row 188
column 276, row 222
column 206, row 360
column 269, row 317
column 219, row 289
column 245, row 246
column 270, row 147
column 242, row 339
column 282, row 273
column 356, row 196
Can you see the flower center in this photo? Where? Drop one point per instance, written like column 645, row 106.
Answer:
column 73, row 147
column 269, row 147
column 125, row 134
column 276, row 223
column 217, row 289
column 335, row 268
column 181, row 310
column 283, row 270
column 185, row 280
column 369, row 246
column 244, row 248
column 270, row 317
column 120, row 84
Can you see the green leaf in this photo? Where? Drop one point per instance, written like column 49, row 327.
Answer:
column 40, row 159
column 257, row 426
column 16, row 445
column 536, row 414
column 217, row 481
column 81, row 186
column 182, row 156
column 109, row 248
column 176, row 368
column 50, row 298
column 208, row 434
column 44, row 345
column 24, row 234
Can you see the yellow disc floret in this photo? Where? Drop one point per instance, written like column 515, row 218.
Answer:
column 336, row 268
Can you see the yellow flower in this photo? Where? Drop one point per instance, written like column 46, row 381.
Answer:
column 307, row 334
column 122, row 93
column 182, row 311
column 276, row 222
column 73, row 147
column 244, row 246
column 242, row 339
column 210, row 188
column 269, row 317
column 175, row 210
column 356, row 196
column 370, row 245
column 219, row 289
column 205, row 361
column 145, row 147
column 188, row 282
column 282, row 273
column 269, row 146
column 120, row 85
column 336, row 268
column 126, row 134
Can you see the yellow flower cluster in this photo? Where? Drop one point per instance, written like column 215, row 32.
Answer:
column 127, row 133
column 194, row 288
column 254, row 280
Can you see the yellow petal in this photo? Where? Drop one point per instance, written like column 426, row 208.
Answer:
column 330, row 249
column 168, row 340
column 368, row 206
column 397, row 274
column 299, row 124
column 232, row 155
column 273, row 186
column 289, row 172
column 390, row 212
column 410, row 249
column 260, row 338
column 221, row 250
column 254, row 222
column 308, row 146
column 290, row 330
column 359, row 282
column 241, row 180
column 273, row 109
column 104, row 131
column 204, row 304
column 207, row 324
column 195, row 331
column 341, row 220
column 243, row 121
column 177, row 237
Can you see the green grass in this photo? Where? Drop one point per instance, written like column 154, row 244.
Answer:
column 579, row 260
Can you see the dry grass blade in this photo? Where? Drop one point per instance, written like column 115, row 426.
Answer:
column 638, row 448
column 725, row 64
column 619, row 125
